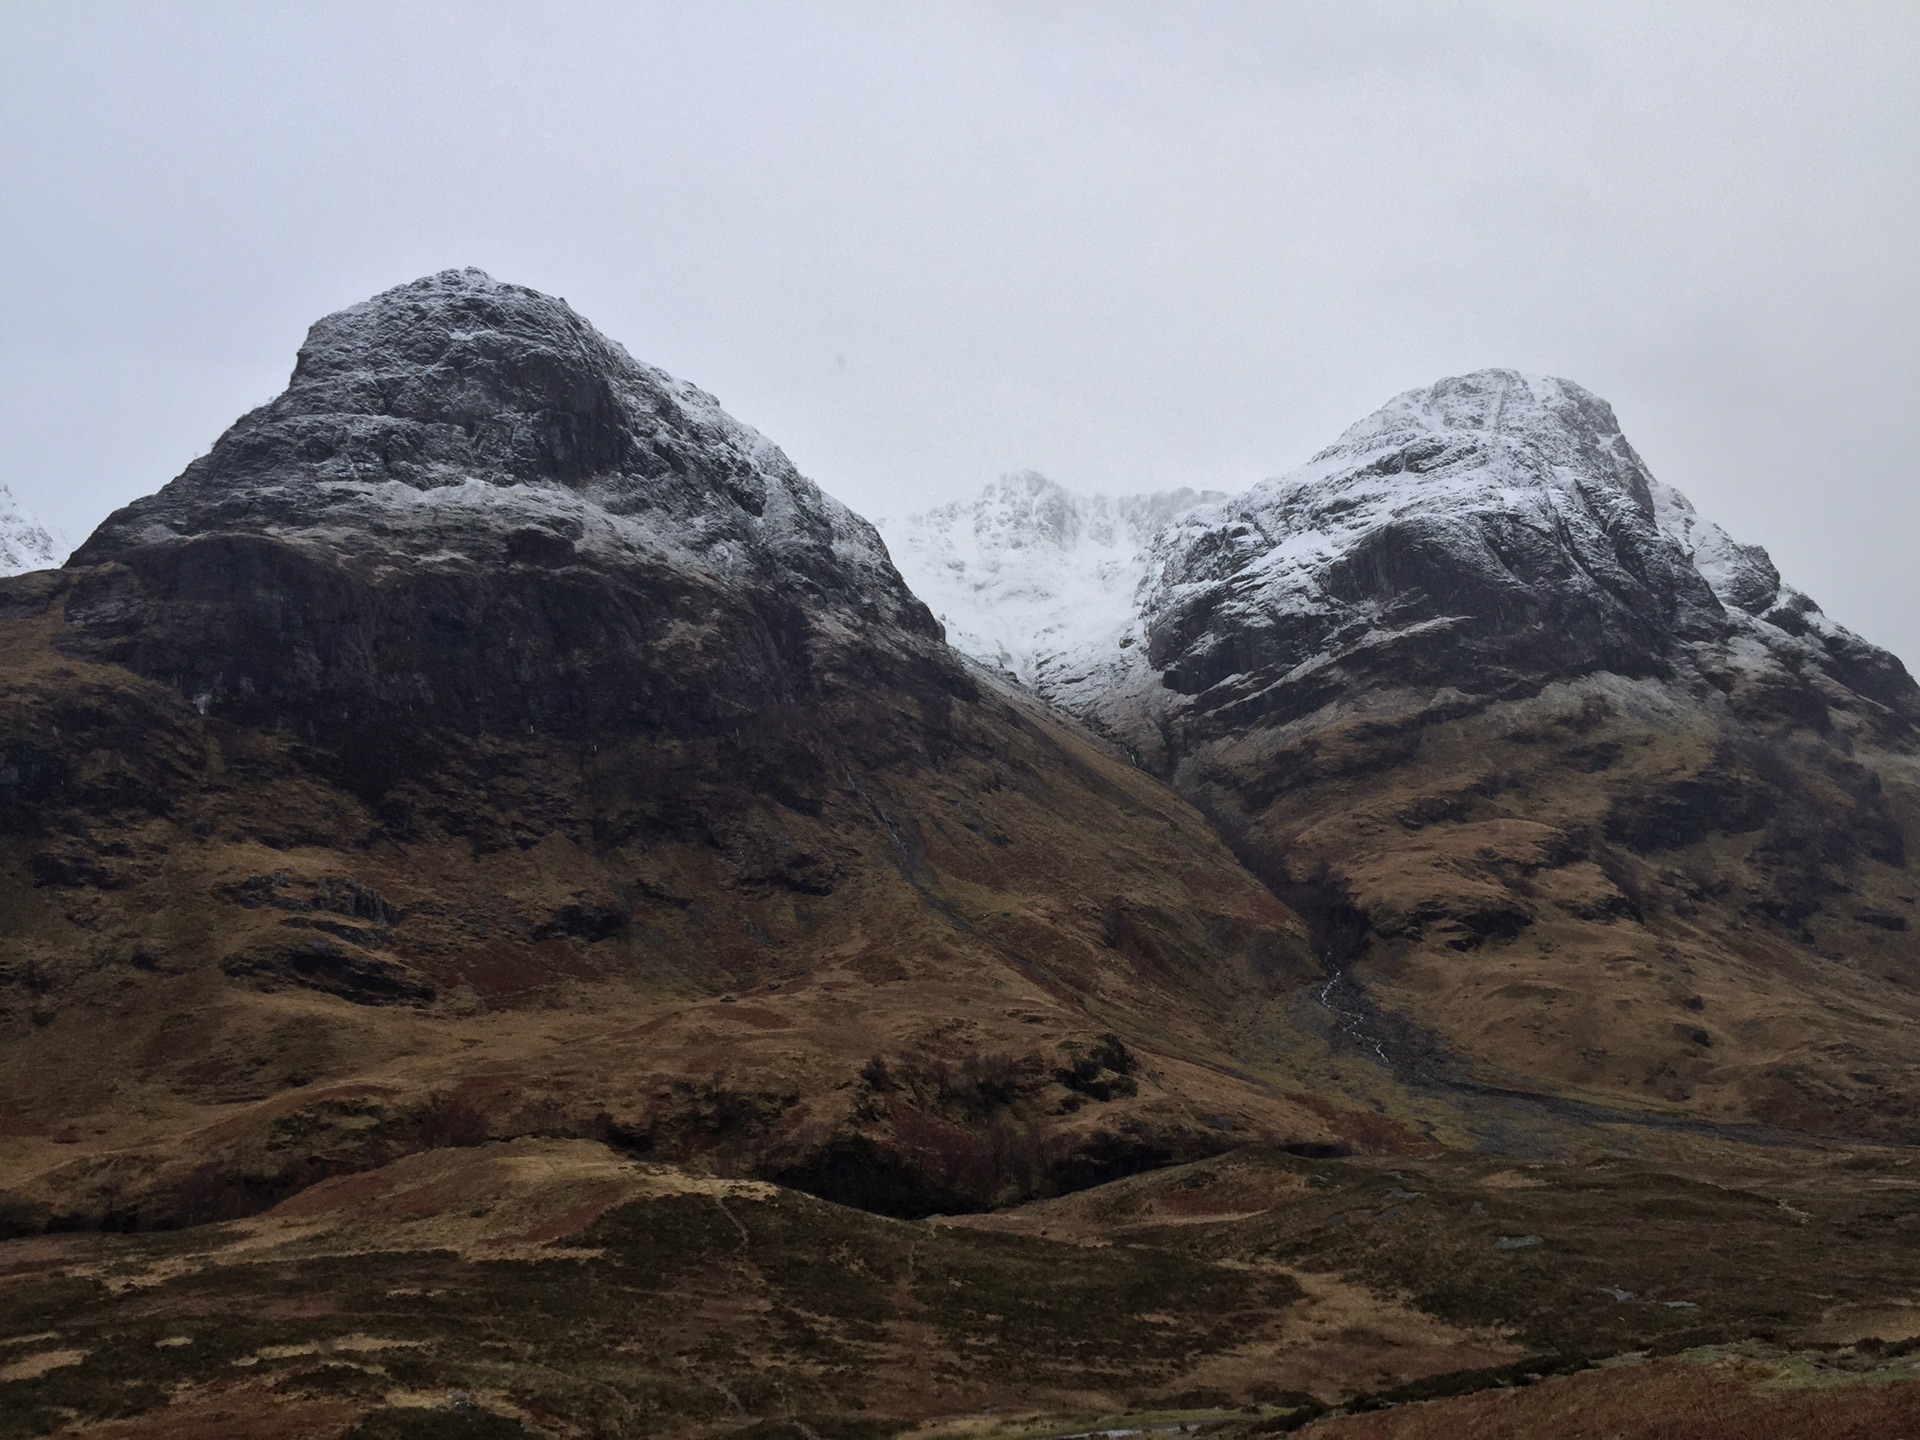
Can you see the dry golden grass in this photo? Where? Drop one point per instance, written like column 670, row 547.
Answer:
column 704, row 990
column 649, row 979
column 1616, row 892
column 569, row 1290
column 1727, row 1398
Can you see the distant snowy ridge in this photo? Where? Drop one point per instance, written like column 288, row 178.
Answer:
column 1036, row 580
column 25, row 544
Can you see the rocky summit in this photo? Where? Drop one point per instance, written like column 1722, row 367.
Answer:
column 1554, row 761
column 471, row 507
column 515, row 921
column 490, row 700
column 1577, row 765
column 1488, row 535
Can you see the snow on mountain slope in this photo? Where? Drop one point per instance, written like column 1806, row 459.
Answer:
column 1036, row 580
column 600, row 547
column 1490, row 533
column 25, row 544
column 444, row 410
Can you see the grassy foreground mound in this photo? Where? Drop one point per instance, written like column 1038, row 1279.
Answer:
column 556, row 1288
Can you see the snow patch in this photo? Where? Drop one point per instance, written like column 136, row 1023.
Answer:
column 1037, row 581
column 25, row 544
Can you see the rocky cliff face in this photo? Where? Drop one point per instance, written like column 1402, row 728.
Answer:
column 1038, row 581
column 1488, row 535
column 25, row 544
column 494, row 773
column 471, row 508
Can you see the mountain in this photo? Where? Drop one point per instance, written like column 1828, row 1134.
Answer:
column 1492, row 533
column 591, row 545
column 506, row 877
column 1611, row 810
column 25, row 544
column 1035, row 580
column 491, row 733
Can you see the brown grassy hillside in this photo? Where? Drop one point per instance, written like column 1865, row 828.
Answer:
column 1610, row 890
column 226, row 975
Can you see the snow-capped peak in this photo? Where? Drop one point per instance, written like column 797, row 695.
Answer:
column 1035, row 579
column 1489, row 533
column 604, row 548
column 1503, row 427
column 459, row 404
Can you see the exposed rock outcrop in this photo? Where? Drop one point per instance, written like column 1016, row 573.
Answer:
column 1606, row 804
column 493, row 735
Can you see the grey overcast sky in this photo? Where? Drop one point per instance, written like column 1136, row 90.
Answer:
column 1130, row 245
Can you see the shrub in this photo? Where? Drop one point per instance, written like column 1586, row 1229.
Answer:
column 449, row 1123
column 1100, row 1072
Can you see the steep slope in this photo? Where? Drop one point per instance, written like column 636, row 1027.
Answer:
column 1035, row 580
column 1608, row 807
column 25, row 544
column 493, row 807
column 490, row 736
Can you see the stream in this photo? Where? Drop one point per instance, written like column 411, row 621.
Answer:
column 1504, row 1119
